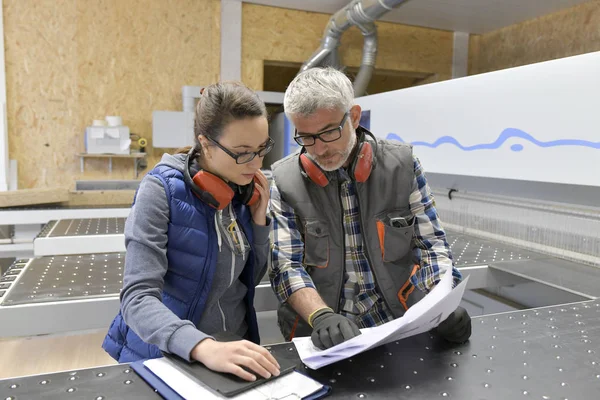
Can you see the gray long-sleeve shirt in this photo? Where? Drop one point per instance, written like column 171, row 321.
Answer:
column 146, row 264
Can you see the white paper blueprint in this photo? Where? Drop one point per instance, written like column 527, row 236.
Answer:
column 428, row 313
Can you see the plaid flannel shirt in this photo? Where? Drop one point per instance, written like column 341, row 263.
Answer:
column 360, row 300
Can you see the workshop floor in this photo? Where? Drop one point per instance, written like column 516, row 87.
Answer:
column 53, row 353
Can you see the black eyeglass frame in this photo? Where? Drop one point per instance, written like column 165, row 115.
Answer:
column 261, row 153
column 300, row 138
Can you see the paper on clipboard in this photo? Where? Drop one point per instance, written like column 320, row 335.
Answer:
column 293, row 385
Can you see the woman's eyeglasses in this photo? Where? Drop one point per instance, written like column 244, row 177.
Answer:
column 243, row 158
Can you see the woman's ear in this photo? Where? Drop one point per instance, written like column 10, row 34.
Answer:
column 204, row 146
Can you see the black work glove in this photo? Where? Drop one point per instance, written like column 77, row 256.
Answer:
column 457, row 327
column 330, row 329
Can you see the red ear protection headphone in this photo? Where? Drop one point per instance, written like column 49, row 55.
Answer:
column 359, row 169
column 213, row 190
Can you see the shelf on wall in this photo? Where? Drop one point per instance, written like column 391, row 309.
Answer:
column 137, row 157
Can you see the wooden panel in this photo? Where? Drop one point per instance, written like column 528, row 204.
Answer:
column 92, row 198
column 41, row 355
column 277, row 34
column 26, row 197
column 69, row 62
column 565, row 33
column 474, row 50
column 278, row 75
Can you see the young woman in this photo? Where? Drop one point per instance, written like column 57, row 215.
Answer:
column 197, row 242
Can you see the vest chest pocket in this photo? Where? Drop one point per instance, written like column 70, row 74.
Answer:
column 395, row 231
column 316, row 244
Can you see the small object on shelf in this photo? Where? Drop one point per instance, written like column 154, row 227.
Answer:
column 107, row 137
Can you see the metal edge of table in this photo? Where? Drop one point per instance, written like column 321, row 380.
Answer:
column 542, row 353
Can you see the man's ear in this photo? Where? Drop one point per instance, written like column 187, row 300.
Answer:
column 355, row 114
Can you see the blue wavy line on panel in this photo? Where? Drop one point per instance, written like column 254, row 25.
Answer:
column 507, row 134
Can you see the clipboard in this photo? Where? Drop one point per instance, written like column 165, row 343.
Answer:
column 169, row 394
column 228, row 385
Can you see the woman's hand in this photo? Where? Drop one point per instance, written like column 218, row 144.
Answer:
column 259, row 209
column 232, row 356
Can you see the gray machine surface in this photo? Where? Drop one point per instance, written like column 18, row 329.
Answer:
column 100, row 383
column 60, row 275
column 565, row 275
column 68, row 277
column 545, row 353
column 469, row 250
column 58, row 278
column 26, row 222
column 580, row 279
column 81, row 236
column 82, row 290
column 84, row 227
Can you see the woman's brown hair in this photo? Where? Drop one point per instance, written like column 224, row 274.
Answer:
column 220, row 104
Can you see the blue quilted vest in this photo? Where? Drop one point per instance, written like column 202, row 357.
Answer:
column 192, row 256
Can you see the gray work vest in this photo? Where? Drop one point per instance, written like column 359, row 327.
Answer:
column 383, row 196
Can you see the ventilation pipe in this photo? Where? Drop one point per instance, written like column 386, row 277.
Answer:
column 362, row 14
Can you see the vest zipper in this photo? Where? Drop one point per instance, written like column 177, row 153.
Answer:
column 362, row 231
column 338, row 308
column 232, row 269
column 222, row 315
column 230, row 282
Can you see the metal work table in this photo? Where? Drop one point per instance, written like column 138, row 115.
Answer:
column 63, row 305
column 565, row 275
column 576, row 278
column 545, row 353
column 60, row 294
column 28, row 221
column 100, row 383
column 80, row 236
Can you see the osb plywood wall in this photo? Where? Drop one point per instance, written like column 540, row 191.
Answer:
column 277, row 34
column 565, row 33
column 71, row 61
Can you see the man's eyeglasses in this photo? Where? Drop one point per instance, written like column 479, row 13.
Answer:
column 243, row 158
column 330, row 135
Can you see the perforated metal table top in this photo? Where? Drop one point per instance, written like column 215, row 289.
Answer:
column 84, row 227
column 549, row 353
column 100, row 383
column 470, row 250
column 546, row 353
column 563, row 274
column 55, row 278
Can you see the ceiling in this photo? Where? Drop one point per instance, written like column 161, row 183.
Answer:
column 472, row 16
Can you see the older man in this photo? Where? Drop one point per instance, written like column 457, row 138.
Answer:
column 355, row 229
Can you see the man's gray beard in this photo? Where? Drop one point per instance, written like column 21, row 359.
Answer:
column 345, row 155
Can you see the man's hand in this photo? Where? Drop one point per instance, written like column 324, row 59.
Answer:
column 330, row 329
column 457, row 327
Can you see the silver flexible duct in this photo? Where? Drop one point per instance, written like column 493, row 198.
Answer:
column 362, row 14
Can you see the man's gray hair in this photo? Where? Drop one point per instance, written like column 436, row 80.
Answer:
column 318, row 88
